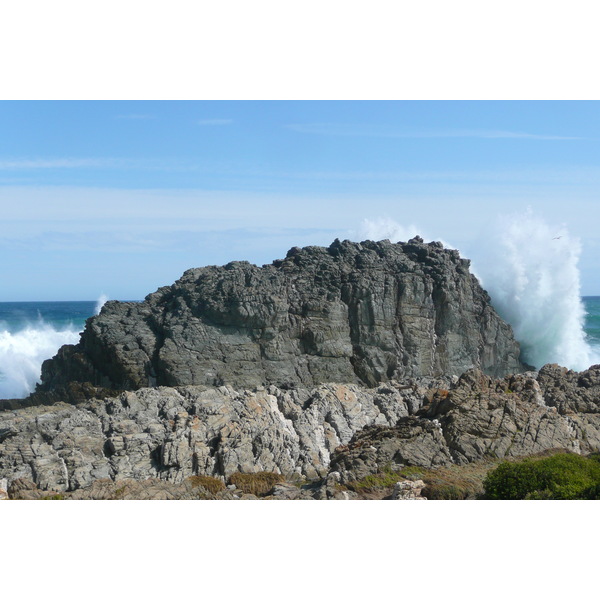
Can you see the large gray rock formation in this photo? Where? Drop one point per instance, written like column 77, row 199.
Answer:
column 351, row 313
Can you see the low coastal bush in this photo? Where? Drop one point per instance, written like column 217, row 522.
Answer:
column 258, row 484
column 559, row 477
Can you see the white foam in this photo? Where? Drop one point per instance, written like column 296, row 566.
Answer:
column 23, row 352
column 530, row 270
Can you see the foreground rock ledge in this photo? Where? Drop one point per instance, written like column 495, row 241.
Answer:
column 350, row 431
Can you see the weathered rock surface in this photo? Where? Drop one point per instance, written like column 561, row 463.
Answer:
column 351, row 313
column 481, row 418
column 172, row 434
column 408, row 490
column 334, row 433
column 3, row 489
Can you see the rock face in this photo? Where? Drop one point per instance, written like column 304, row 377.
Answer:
column 481, row 418
column 339, row 433
column 172, row 434
column 408, row 490
column 351, row 313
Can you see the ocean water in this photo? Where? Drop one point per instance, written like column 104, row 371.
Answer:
column 592, row 322
column 31, row 332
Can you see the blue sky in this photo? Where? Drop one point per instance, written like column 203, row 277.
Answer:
column 121, row 197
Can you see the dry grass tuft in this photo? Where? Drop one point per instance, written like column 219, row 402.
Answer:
column 258, row 484
column 210, row 484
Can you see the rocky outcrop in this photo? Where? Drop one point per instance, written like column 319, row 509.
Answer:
column 352, row 313
column 482, row 418
column 171, row 434
column 335, row 433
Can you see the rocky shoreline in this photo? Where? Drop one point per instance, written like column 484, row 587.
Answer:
column 324, row 441
column 355, row 371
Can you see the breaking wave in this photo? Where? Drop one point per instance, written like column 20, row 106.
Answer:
column 23, row 352
column 530, row 269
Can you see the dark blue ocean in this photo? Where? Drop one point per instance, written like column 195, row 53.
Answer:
column 31, row 332
column 592, row 319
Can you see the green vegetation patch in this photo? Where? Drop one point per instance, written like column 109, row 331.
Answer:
column 386, row 478
column 559, row 477
column 259, row 484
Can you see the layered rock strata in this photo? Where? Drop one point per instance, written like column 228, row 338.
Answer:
column 352, row 313
column 172, row 434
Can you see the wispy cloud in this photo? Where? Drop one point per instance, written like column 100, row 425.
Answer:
column 341, row 129
column 32, row 164
column 58, row 163
column 135, row 117
column 215, row 122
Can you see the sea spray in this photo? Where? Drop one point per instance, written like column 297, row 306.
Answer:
column 102, row 300
column 30, row 333
column 23, row 352
column 530, row 270
column 384, row 228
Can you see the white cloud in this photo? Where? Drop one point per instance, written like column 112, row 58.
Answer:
column 367, row 131
column 58, row 163
column 165, row 164
column 45, row 208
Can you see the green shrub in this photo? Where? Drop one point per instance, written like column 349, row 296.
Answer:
column 592, row 493
column 413, row 472
column 559, row 477
column 258, row 484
